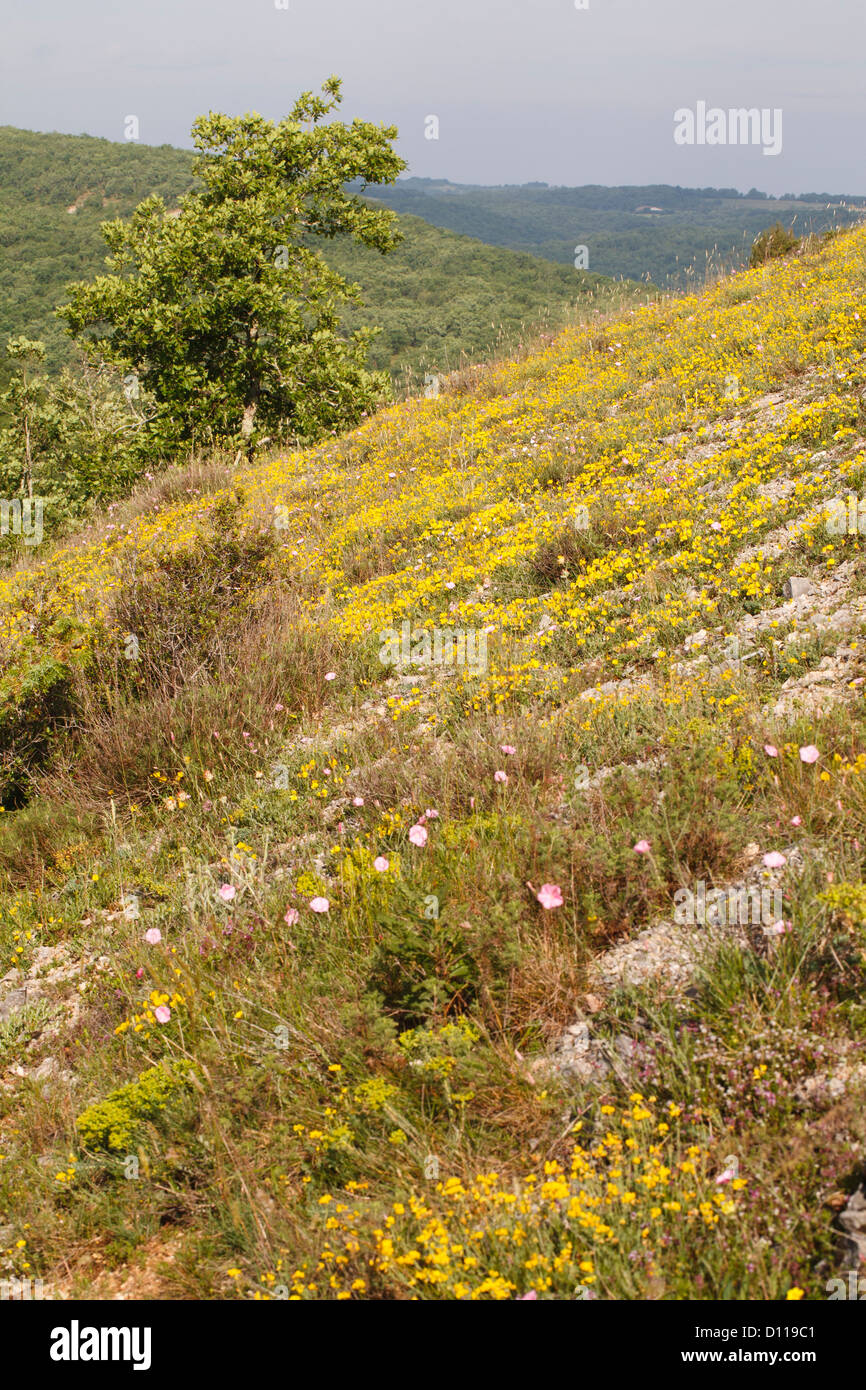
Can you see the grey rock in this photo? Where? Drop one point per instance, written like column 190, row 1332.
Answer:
column 853, row 1223
column 12, row 1003
column 796, row 585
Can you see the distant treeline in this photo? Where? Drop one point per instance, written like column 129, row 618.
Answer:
column 668, row 235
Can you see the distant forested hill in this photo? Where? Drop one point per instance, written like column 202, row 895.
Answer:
column 479, row 268
column 674, row 230
column 55, row 190
column 439, row 298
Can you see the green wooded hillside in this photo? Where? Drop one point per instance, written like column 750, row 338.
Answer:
column 694, row 229
column 439, row 299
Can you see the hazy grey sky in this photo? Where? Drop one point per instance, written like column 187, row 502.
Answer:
column 523, row 89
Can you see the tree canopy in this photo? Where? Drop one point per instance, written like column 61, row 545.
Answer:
column 222, row 308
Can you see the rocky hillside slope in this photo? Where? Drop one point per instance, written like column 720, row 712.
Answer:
column 434, row 861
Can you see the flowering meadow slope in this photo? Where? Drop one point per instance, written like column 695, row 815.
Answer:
column 462, row 490
column 358, row 804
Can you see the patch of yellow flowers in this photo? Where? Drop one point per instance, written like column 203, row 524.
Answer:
column 597, row 1226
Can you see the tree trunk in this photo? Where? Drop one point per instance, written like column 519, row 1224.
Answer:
column 28, row 460
column 247, row 422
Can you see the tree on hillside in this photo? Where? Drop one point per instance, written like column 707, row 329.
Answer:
column 19, row 402
column 222, row 308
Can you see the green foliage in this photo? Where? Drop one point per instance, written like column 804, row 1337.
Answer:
column 842, row 944
column 223, row 309
column 773, row 242
column 72, row 440
column 114, row 1123
column 433, row 1050
column 25, row 1024
column 422, row 967
column 847, row 901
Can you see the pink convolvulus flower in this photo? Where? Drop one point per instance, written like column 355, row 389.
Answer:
column 774, row 860
column 550, row 895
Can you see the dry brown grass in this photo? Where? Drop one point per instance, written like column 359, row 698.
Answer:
column 120, row 735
